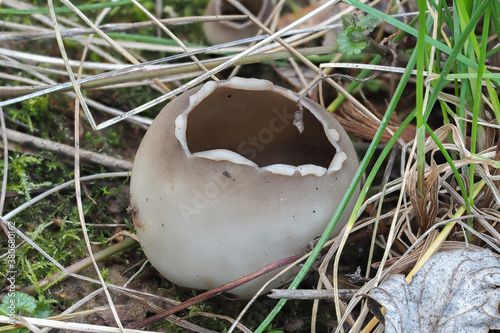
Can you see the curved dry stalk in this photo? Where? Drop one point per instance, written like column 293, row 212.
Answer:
column 5, row 161
column 78, row 193
column 219, row 68
column 173, row 36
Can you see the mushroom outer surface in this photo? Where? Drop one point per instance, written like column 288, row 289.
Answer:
column 223, row 183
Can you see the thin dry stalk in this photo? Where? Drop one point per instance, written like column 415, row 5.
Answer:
column 112, row 27
column 174, row 37
column 77, row 166
column 77, row 327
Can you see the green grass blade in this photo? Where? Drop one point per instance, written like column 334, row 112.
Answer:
column 60, row 10
column 364, row 73
column 422, row 32
column 477, row 108
column 442, row 82
column 357, row 178
column 412, row 31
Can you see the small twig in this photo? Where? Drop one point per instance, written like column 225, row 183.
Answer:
column 78, row 183
column 30, row 141
column 216, row 291
column 58, row 188
column 82, row 264
column 311, row 294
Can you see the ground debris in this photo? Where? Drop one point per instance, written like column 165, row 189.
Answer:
column 455, row 291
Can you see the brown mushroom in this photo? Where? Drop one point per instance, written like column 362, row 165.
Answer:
column 223, row 183
column 227, row 31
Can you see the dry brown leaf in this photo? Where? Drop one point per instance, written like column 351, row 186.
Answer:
column 359, row 124
column 425, row 204
column 455, row 291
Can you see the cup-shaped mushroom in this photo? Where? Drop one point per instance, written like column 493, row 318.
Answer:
column 228, row 31
column 224, row 184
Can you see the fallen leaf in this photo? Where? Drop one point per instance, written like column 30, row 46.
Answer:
column 425, row 204
column 455, row 291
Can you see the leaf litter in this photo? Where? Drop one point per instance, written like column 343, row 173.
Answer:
column 455, row 291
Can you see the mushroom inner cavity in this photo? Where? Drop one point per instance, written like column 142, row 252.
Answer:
column 259, row 126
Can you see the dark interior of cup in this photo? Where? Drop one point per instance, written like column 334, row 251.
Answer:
column 259, row 126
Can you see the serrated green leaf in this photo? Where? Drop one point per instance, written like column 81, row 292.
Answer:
column 368, row 23
column 347, row 47
column 355, row 35
column 22, row 302
column 42, row 309
column 3, row 310
column 348, row 20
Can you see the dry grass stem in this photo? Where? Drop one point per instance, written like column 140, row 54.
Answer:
column 403, row 220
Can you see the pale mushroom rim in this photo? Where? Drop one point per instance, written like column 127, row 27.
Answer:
column 233, row 157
